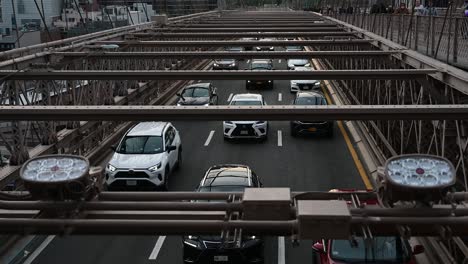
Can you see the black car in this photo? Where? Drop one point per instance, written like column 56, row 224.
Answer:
column 225, row 64
column 210, row 248
column 260, row 65
column 265, row 48
column 198, row 94
column 311, row 127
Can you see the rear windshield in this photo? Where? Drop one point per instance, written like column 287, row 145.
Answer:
column 141, row 145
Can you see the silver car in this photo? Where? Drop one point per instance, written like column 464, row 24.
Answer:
column 304, row 85
column 145, row 156
column 246, row 129
column 293, row 63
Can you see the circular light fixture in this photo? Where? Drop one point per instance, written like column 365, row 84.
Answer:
column 417, row 177
column 56, row 177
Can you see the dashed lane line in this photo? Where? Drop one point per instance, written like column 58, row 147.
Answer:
column 280, row 97
column 157, row 248
column 280, row 138
column 210, row 136
column 281, row 251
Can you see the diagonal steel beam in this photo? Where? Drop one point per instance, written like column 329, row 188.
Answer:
column 202, row 113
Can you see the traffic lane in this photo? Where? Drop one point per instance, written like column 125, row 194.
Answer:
column 97, row 249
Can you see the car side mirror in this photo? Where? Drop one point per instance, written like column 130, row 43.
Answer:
column 114, row 148
column 418, row 249
column 318, row 247
column 178, row 94
column 171, row 148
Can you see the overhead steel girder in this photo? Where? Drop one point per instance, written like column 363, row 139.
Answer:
column 234, row 43
column 203, row 113
column 243, row 34
column 218, row 75
column 247, row 29
column 225, row 54
column 280, row 24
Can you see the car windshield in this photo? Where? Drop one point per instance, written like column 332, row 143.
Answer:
column 196, row 92
column 141, row 145
column 312, row 100
column 234, row 49
column 294, row 48
column 261, row 66
column 299, row 62
column 246, row 102
column 379, row 250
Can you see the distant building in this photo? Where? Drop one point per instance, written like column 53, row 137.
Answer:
column 27, row 14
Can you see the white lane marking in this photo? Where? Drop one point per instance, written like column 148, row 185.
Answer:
column 229, row 98
column 281, row 251
column 280, row 138
column 280, row 97
column 157, row 247
column 279, row 61
column 38, row 251
column 207, row 142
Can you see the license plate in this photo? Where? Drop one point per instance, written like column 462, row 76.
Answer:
column 306, row 87
column 259, row 82
column 244, row 132
column 131, row 183
column 221, row 258
column 312, row 129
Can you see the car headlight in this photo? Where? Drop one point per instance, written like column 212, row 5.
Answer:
column 206, row 104
column 307, row 65
column 215, row 64
column 272, row 48
column 178, row 104
column 111, row 168
column 233, row 64
column 293, row 83
column 192, row 241
column 248, row 81
column 317, row 83
column 258, row 48
column 155, row 167
column 269, row 81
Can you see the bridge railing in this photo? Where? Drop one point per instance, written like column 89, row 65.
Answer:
column 445, row 39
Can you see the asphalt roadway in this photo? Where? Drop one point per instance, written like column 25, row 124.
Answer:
column 302, row 164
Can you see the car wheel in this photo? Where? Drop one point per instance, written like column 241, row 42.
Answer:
column 179, row 159
column 166, row 179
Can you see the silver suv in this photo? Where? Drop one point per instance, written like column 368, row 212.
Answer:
column 246, row 129
column 145, row 156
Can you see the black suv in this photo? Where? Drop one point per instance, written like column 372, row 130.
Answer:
column 209, row 248
column 198, row 94
column 260, row 65
column 311, row 127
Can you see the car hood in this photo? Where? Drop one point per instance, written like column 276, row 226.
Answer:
column 224, row 61
column 135, row 161
column 304, row 81
column 194, row 101
column 298, row 62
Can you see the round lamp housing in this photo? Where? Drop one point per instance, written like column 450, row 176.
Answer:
column 56, row 177
column 417, row 177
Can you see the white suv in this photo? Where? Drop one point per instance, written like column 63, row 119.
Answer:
column 246, row 129
column 145, row 156
column 305, row 85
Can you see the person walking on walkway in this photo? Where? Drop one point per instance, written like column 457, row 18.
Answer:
column 402, row 9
